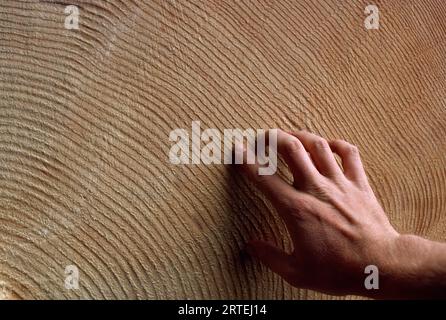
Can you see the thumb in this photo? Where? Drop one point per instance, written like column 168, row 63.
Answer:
column 272, row 257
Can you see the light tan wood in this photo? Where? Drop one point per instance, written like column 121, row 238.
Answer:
column 85, row 117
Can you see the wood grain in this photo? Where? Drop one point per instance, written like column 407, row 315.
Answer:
column 85, row 117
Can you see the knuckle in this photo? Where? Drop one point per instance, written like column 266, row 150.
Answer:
column 352, row 150
column 294, row 145
column 347, row 147
column 321, row 143
column 339, row 142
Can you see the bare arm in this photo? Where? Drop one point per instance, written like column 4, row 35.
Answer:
column 338, row 227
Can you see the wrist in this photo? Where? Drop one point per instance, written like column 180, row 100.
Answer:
column 415, row 268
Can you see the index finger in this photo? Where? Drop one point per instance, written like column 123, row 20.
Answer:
column 274, row 187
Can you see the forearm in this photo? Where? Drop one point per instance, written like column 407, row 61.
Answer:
column 417, row 270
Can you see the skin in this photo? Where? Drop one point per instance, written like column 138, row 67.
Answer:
column 338, row 227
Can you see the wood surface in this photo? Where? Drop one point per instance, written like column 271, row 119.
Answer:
column 85, row 116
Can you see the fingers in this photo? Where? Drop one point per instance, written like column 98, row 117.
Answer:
column 280, row 192
column 320, row 152
column 351, row 161
column 273, row 186
column 308, row 155
column 295, row 156
column 272, row 257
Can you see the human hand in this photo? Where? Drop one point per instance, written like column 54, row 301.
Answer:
column 335, row 222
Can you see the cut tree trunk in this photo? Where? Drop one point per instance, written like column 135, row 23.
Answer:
column 85, row 117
